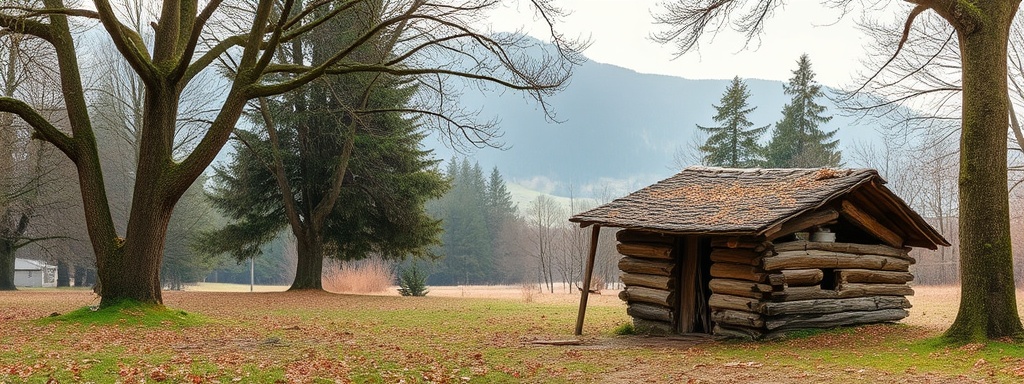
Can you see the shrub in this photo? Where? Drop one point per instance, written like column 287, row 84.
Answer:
column 364, row 276
column 625, row 329
column 412, row 282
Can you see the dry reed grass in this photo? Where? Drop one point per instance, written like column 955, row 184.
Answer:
column 364, row 276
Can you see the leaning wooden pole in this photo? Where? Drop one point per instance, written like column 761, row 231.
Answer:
column 587, row 275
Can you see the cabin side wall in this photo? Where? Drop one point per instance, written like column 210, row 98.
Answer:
column 763, row 289
column 650, row 266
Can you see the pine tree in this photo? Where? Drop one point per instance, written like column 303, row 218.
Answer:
column 358, row 179
column 733, row 143
column 798, row 142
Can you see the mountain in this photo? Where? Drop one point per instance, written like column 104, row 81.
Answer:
column 620, row 129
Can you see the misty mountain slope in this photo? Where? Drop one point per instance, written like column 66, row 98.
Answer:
column 620, row 128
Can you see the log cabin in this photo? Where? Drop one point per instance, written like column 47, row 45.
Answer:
column 756, row 253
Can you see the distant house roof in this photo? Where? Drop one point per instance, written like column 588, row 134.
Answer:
column 28, row 265
column 728, row 201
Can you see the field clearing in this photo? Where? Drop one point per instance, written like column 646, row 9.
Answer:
column 456, row 335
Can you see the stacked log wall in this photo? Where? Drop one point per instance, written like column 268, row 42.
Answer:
column 649, row 271
column 762, row 290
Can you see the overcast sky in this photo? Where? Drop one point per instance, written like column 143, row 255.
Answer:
column 619, row 30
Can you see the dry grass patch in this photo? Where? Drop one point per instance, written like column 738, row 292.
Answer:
column 363, row 276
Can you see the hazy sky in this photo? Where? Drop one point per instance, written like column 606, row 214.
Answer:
column 619, row 30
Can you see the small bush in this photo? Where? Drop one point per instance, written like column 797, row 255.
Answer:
column 625, row 329
column 412, row 282
column 528, row 290
column 364, row 276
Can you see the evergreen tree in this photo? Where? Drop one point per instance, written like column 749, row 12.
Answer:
column 798, row 142
column 733, row 143
column 348, row 160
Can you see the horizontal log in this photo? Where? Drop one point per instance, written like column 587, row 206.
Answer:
column 872, row 276
column 796, row 277
column 827, row 259
column 734, row 317
column 649, row 312
column 736, row 256
column 739, row 303
column 739, row 272
column 648, row 295
column 823, row 306
column 835, row 319
column 737, row 332
column 650, row 281
column 739, row 288
column 646, row 251
column 635, row 236
column 860, row 290
column 857, row 249
column 842, row 292
column 754, row 244
column 653, row 327
column 647, row 267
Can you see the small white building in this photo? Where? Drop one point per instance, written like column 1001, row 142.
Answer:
column 33, row 273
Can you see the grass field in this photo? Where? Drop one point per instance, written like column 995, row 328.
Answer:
column 454, row 335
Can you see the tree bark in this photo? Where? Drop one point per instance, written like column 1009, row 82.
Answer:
column 6, row 265
column 988, row 305
column 310, row 267
column 63, row 274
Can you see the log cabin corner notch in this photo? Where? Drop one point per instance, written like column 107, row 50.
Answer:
column 755, row 253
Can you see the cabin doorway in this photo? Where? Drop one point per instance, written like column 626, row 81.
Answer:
column 694, row 314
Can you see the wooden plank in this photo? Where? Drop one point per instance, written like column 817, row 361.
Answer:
column 803, row 293
column 739, row 288
column 595, row 234
column 648, row 267
column 649, row 312
column 860, row 290
column 688, row 286
column 870, row 225
column 734, row 317
column 822, row 306
column 858, row 249
column 797, row 277
column 802, row 222
column 722, row 301
column 832, row 260
column 872, row 276
column 646, row 251
column 735, row 256
column 648, row 295
column 835, row 319
column 635, row 236
column 650, row 281
column 739, row 272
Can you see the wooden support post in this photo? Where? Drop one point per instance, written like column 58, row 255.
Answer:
column 587, row 274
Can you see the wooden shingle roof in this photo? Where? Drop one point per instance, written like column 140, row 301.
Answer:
column 727, row 201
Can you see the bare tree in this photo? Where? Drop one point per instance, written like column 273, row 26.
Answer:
column 438, row 41
column 544, row 218
column 988, row 301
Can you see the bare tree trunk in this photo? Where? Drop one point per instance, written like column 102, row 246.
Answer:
column 988, row 306
column 63, row 273
column 7, row 265
column 310, row 267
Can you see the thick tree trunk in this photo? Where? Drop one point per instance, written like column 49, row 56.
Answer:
column 988, row 306
column 310, row 268
column 6, row 265
column 132, row 271
column 63, row 274
column 79, row 276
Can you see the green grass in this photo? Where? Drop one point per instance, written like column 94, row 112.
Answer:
column 128, row 313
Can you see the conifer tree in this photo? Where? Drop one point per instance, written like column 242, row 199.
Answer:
column 798, row 142
column 733, row 143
